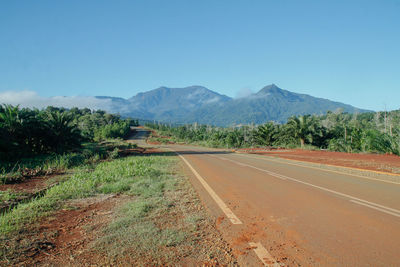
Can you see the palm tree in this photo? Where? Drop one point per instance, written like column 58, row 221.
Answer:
column 64, row 132
column 9, row 118
column 303, row 128
column 265, row 134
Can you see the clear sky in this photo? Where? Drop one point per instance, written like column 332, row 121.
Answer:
column 348, row 51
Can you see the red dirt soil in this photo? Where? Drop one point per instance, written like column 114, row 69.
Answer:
column 375, row 162
column 30, row 185
column 63, row 238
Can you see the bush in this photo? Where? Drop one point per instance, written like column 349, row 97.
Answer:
column 115, row 130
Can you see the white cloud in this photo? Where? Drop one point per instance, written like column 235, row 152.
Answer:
column 31, row 99
column 244, row 92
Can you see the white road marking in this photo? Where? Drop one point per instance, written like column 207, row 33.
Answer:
column 258, row 248
column 366, row 203
column 264, row 255
column 228, row 212
column 283, row 177
column 322, row 169
column 376, row 208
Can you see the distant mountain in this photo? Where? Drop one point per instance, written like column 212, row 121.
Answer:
column 173, row 104
column 199, row 104
column 269, row 104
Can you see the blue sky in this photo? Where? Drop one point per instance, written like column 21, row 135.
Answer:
column 348, row 51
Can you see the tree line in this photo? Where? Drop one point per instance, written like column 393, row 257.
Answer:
column 27, row 132
column 374, row 132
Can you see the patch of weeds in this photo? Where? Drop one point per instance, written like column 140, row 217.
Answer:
column 90, row 153
column 172, row 237
column 117, row 187
column 113, row 154
column 56, row 179
column 146, row 226
column 151, row 187
column 193, row 221
column 11, row 178
column 70, row 207
column 116, row 176
column 8, row 195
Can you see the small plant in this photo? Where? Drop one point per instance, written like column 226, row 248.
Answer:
column 114, row 154
column 11, row 178
column 7, row 195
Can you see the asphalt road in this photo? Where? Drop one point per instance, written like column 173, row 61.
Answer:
column 280, row 214
column 277, row 213
column 139, row 136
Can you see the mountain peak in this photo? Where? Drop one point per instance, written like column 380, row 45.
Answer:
column 270, row 89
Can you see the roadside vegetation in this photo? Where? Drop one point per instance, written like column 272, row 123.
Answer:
column 115, row 177
column 41, row 142
column 30, row 132
column 336, row 131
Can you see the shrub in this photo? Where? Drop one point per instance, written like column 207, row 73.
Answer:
column 114, row 130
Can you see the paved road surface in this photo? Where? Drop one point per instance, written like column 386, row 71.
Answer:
column 139, row 136
column 275, row 213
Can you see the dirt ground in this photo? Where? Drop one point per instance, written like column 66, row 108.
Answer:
column 67, row 239
column 32, row 185
column 27, row 189
column 375, row 162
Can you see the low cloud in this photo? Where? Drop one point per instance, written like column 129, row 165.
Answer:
column 31, row 99
column 244, row 92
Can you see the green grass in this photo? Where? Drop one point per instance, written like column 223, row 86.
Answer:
column 118, row 176
column 8, row 195
column 143, row 226
column 91, row 153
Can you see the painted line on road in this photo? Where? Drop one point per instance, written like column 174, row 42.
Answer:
column 366, row 203
column 283, row 177
column 228, row 212
column 322, row 169
column 261, row 252
column 264, row 255
column 376, row 208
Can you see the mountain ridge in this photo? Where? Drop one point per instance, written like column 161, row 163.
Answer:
column 200, row 104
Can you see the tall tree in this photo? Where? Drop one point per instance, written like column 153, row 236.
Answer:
column 265, row 134
column 65, row 134
column 303, row 128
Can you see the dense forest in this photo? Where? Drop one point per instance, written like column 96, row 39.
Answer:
column 377, row 132
column 28, row 132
